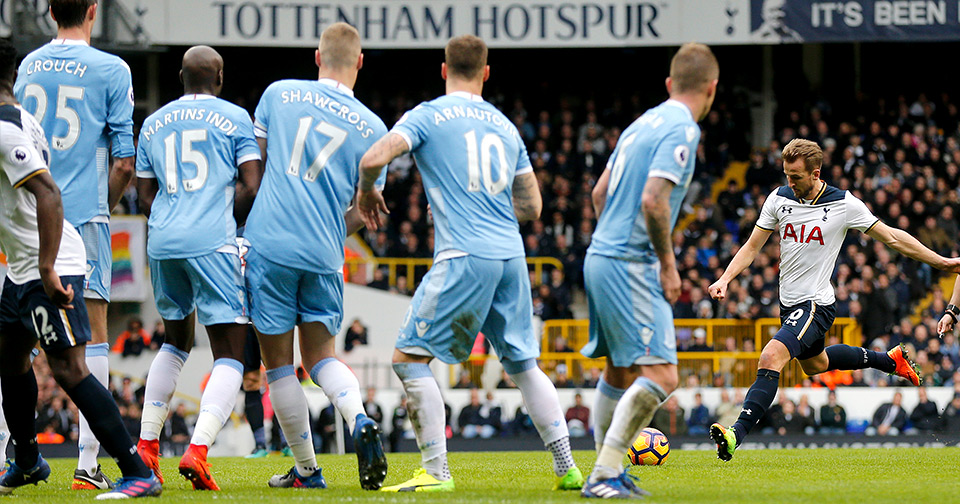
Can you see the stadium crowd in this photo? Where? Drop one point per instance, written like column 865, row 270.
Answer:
column 899, row 157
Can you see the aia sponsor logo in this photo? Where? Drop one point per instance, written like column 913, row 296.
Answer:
column 814, row 235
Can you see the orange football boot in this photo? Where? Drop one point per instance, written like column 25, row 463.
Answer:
column 149, row 452
column 194, row 467
column 905, row 367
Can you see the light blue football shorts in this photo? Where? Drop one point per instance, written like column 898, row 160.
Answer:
column 462, row 296
column 282, row 297
column 211, row 284
column 96, row 243
column 630, row 320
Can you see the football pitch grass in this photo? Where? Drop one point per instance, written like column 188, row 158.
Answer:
column 913, row 475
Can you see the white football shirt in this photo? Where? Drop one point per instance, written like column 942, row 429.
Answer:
column 811, row 234
column 24, row 154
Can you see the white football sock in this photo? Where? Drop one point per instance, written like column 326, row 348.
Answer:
column 218, row 400
column 541, row 399
column 161, row 383
column 633, row 413
column 562, row 456
column 290, row 409
column 4, row 433
column 99, row 366
column 341, row 387
column 425, row 403
column 543, row 404
column 604, row 402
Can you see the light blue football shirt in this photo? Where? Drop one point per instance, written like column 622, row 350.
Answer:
column 83, row 98
column 468, row 154
column 193, row 147
column 316, row 133
column 661, row 143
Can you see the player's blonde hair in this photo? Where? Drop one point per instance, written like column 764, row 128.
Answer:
column 693, row 68
column 466, row 56
column 340, row 46
column 809, row 151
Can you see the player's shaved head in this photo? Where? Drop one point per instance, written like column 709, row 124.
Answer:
column 808, row 151
column 466, row 57
column 70, row 13
column 340, row 46
column 202, row 68
column 693, row 68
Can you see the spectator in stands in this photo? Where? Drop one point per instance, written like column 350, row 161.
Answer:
column 399, row 425
column 379, row 277
column 889, row 418
column 857, row 379
column 925, row 416
column 135, row 332
column 592, row 378
column 325, row 428
column 463, row 380
column 49, row 434
column 372, row 409
column 699, row 341
column 356, row 335
column 563, row 380
column 472, row 420
column 789, row 422
column 176, row 434
column 159, row 335
column 131, row 420
column 951, row 415
column 492, row 411
column 669, row 419
column 560, row 345
column 125, row 395
column 578, row 417
column 522, row 424
column 728, row 410
column 700, row 418
column 833, row 418
column 401, row 288
column 505, row 381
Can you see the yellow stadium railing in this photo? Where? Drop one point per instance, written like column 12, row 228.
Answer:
column 414, row 268
column 734, row 363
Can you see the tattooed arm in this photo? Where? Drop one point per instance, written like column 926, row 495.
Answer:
column 379, row 155
column 655, row 202
column 369, row 199
column 527, row 202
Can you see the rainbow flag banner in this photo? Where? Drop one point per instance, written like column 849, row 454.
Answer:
column 128, row 237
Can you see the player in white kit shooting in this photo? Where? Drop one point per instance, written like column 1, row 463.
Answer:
column 812, row 219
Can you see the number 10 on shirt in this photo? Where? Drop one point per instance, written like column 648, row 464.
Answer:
column 478, row 162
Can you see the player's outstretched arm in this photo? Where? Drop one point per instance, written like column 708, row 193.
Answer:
column 147, row 189
column 599, row 193
column 655, row 203
column 369, row 199
column 903, row 242
column 527, row 201
column 949, row 319
column 120, row 174
column 248, row 183
column 50, row 227
column 744, row 257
